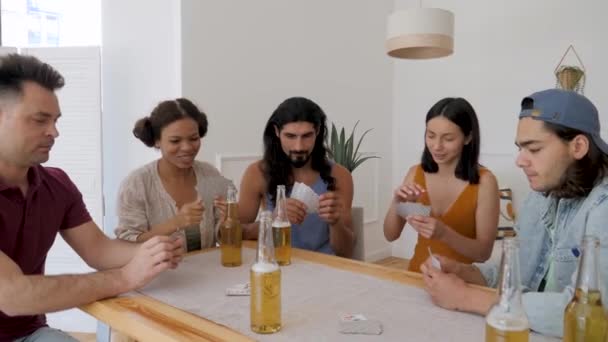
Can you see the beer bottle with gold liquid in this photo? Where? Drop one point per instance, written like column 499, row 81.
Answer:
column 584, row 317
column 281, row 229
column 507, row 320
column 265, row 282
column 231, row 232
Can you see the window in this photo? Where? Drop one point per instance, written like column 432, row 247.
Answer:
column 42, row 23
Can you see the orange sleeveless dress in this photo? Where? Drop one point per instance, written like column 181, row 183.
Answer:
column 460, row 216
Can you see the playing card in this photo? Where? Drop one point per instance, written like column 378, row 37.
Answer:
column 352, row 317
column 239, row 290
column 306, row 195
column 365, row 327
column 406, row 209
column 434, row 261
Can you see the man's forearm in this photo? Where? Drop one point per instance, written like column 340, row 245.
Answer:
column 477, row 300
column 30, row 295
column 115, row 253
column 471, row 275
column 110, row 253
column 342, row 239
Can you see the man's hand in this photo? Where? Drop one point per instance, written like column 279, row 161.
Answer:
column 152, row 258
column 447, row 265
column 330, row 207
column 467, row 272
column 190, row 214
column 446, row 289
column 296, row 211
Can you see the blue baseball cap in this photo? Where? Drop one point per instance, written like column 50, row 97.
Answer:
column 565, row 108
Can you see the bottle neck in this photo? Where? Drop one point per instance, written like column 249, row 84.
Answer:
column 281, row 204
column 587, row 279
column 509, row 287
column 232, row 210
column 265, row 252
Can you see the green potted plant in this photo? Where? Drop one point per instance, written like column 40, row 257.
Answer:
column 342, row 149
column 345, row 151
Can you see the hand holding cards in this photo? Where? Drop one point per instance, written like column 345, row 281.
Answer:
column 306, row 195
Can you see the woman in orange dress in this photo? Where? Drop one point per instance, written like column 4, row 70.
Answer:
column 462, row 194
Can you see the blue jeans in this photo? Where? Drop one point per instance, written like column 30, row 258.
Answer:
column 46, row 334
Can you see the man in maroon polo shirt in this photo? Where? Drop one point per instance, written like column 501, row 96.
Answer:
column 37, row 202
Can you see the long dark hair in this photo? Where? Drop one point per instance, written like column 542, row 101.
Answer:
column 583, row 174
column 148, row 129
column 276, row 165
column 461, row 113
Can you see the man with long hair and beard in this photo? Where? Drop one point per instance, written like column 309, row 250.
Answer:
column 294, row 151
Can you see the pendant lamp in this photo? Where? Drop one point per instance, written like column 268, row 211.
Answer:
column 420, row 33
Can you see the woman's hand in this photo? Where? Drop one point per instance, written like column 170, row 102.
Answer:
column 190, row 214
column 408, row 192
column 427, row 226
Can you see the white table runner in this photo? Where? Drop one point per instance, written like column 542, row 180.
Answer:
column 313, row 297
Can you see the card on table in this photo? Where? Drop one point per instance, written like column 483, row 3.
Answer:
column 359, row 324
column 239, row 290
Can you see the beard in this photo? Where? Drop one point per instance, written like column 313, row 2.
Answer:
column 299, row 159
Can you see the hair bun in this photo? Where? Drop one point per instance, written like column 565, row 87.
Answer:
column 144, row 132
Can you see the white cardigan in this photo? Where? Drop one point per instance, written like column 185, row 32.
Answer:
column 143, row 202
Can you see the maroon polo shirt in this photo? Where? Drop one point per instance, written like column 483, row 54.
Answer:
column 28, row 227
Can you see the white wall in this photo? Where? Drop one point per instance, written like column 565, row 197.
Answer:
column 504, row 50
column 141, row 49
column 241, row 59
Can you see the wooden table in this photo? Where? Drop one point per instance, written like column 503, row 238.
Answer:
column 146, row 319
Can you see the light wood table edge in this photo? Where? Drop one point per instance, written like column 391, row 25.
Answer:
column 361, row 267
column 177, row 325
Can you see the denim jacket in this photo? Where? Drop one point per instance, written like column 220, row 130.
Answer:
column 571, row 219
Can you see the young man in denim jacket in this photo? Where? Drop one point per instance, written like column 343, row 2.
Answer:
column 566, row 163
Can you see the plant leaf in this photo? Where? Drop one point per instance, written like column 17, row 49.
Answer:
column 350, row 157
column 342, row 147
column 361, row 160
column 361, row 140
column 333, row 141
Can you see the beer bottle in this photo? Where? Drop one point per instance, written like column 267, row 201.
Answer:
column 231, row 232
column 507, row 320
column 584, row 317
column 265, row 280
column 281, row 229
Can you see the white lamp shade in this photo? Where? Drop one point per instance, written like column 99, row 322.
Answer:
column 420, row 33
